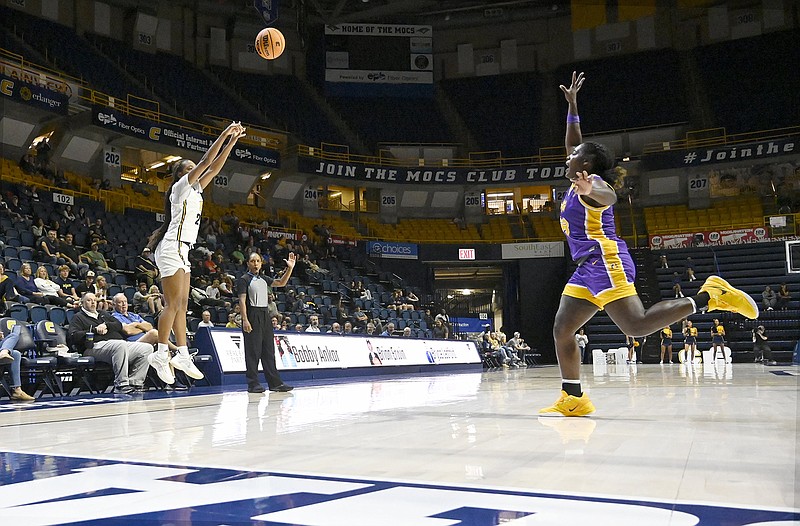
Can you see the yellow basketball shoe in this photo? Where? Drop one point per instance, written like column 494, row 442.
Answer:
column 568, row 405
column 728, row 298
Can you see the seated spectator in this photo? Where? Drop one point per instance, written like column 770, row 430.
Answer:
column 336, row 328
column 226, row 287
column 63, row 281
column 284, row 325
column 761, row 348
column 232, row 322
column 676, row 285
column 313, row 324
column 237, row 315
column 360, row 318
column 108, row 344
column 411, row 299
column 101, row 293
column 145, row 302
column 38, row 228
column 237, row 256
column 214, row 291
column 17, row 212
column 272, row 307
column 663, row 261
column 783, row 297
column 299, row 327
column 276, row 325
column 348, row 328
column 146, row 269
column 769, row 299
column 407, row 332
column 68, row 214
column 135, row 328
column 369, row 329
column 95, row 259
column 97, row 233
column 47, row 248
column 389, row 331
column 205, row 319
column 26, row 287
column 200, row 297
column 690, row 269
column 87, row 285
column 82, row 218
column 69, row 252
column 440, row 331
column 8, row 352
column 29, row 164
column 51, row 290
column 7, row 290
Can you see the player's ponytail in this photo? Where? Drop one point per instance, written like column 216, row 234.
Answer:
column 157, row 235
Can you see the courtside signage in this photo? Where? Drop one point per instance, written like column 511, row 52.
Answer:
column 386, row 249
column 298, row 351
column 544, row 249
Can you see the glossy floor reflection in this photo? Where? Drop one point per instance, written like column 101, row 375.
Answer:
column 673, row 435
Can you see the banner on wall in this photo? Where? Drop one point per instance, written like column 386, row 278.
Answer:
column 736, row 236
column 387, row 249
column 33, row 95
column 439, row 175
column 544, row 249
column 298, row 351
column 722, row 154
column 176, row 137
column 40, row 79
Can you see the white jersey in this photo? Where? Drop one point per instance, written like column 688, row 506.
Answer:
column 187, row 206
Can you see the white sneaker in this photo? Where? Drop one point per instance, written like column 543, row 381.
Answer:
column 160, row 362
column 184, row 362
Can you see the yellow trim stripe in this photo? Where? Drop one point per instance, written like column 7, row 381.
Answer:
column 602, row 299
column 608, row 247
column 183, row 217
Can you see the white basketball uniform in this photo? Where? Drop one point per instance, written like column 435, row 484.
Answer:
column 172, row 252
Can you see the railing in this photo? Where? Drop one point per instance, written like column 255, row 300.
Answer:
column 718, row 137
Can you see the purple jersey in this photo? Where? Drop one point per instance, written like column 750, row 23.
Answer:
column 589, row 230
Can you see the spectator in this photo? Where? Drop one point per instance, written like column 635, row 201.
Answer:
column 82, row 217
column 783, row 297
column 583, row 342
column 51, row 290
column 206, row 320
column 761, row 348
column 144, row 302
column 440, row 331
column 676, row 285
column 8, row 352
column 107, row 344
column 146, row 269
column 336, row 328
column 214, row 292
column 96, row 260
column 298, row 327
column 38, row 228
column 97, row 233
column 348, row 329
column 520, row 347
column 87, row 285
column 769, row 299
column 360, row 318
column 63, row 281
column 232, row 322
column 134, row 327
column 47, row 248
column 407, row 332
column 101, row 293
column 26, row 287
column 72, row 258
column 313, row 324
column 68, row 214
column 7, row 290
column 369, row 329
column 690, row 269
column 663, row 261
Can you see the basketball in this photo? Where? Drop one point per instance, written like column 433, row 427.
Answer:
column 270, row 43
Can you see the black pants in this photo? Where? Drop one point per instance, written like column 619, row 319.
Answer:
column 259, row 345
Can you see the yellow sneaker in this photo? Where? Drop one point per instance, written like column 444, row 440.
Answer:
column 568, row 405
column 726, row 297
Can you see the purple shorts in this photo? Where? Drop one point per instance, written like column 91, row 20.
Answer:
column 603, row 278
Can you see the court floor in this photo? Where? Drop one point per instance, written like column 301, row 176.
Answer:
column 669, row 445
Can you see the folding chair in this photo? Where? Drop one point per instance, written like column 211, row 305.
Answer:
column 42, row 369
column 48, row 336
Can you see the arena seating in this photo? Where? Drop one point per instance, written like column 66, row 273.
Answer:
column 737, row 212
column 633, row 79
column 497, row 125
column 727, row 67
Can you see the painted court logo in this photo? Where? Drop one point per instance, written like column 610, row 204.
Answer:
column 94, row 491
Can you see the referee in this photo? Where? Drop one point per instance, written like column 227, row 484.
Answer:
column 259, row 341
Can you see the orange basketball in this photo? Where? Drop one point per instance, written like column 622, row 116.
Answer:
column 270, row 43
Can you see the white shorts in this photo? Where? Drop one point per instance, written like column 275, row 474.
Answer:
column 171, row 256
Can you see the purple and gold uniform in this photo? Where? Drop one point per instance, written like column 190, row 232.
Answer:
column 605, row 270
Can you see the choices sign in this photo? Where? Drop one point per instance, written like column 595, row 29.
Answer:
column 385, row 249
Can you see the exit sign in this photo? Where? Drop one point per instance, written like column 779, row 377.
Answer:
column 465, row 254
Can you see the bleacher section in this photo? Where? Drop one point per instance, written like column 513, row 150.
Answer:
column 284, row 99
column 69, row 53
column 752, row 83
column 483, row 103
column 620, row 91
column 393, row 119
column 741, row 212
